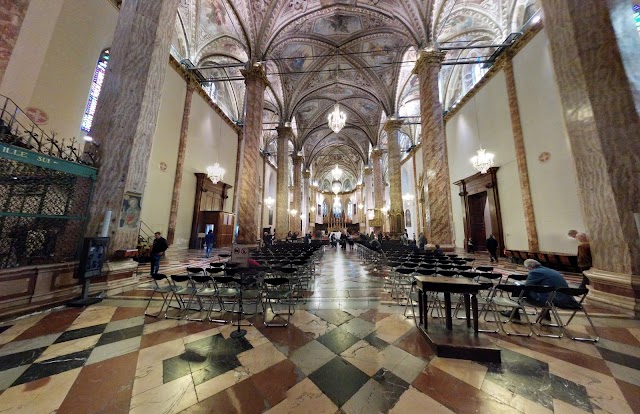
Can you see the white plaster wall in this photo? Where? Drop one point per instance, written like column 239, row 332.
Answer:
column 55, row 73
column 485, row 120
column 156, row 202
column 210, row 140
column 30, row 50
column 270, row 188
column 408, row 186
column 554, row 186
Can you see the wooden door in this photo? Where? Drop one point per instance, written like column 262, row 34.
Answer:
column 477, row 203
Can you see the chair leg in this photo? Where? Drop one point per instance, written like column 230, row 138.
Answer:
column 164, row 302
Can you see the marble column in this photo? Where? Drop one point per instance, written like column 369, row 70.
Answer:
column 396, row 209
column 521, row 157
column 11, row 18
column 255, row 80
column 282, row 196
column 434, row 149
column 296, row 221
column 368, row 190
column 378, row 189
column 593, row 49
column 306, row 187
column 127, row 114
column 182, row 149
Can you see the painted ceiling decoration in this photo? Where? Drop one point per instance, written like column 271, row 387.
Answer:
column 358, row 52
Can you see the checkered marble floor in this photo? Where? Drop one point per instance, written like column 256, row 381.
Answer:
column 109, row 358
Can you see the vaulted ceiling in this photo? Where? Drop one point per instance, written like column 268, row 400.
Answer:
column 358, row 52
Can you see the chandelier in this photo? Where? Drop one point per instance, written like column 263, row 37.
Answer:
column 483, row 161
column 293, row 212
column 336, row 186
column 336, row 173
column 360, row 206
column 269, row 201
column 408, row 198
column 337, row 119
column 215, row 173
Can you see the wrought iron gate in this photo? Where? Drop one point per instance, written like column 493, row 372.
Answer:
column 45, row 190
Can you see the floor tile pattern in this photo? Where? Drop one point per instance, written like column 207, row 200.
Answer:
column 332, row 359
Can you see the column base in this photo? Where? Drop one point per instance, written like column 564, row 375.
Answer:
column 616, row 291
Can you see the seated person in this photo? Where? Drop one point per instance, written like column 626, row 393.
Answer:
column 438, row 251
column 543, row 276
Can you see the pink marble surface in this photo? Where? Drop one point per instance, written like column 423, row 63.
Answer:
column 12, row 14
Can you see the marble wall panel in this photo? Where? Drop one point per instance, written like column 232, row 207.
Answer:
column 12, row 14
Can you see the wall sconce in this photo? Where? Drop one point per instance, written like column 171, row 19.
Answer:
column 294, row 212
column 269, row 201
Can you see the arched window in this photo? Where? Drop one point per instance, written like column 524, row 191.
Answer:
column 337, row 208
column 636, row 16
column 94, row 91
column 324, row 208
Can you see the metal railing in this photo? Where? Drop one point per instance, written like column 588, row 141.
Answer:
column 17, row 129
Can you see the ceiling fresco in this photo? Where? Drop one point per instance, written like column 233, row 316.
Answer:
column 359, row 53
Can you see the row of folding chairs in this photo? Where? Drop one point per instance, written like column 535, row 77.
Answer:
column 205, row 292
column 498, row 294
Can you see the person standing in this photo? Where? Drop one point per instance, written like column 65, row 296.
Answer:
column 492, row 248
column 209, row 242
column 421, row 241
column 584, row 256
column 470, row 247
column 157, row 250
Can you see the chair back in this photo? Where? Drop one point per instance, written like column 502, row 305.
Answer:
column 484, row 269
column 405, row 270
column 447, row 273
column 195, row 270
column 426, row 272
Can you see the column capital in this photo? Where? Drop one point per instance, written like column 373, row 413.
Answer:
column 368, row 170
column 297, row 159
column 255, row 73
column 392, row 124
column 376, row 153
column 284, row 131
column 306, row 175
column 192, row 84
column 429, row 58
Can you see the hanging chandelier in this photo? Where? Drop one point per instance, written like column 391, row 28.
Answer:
column 336, row 186
column 337, row 119
column 269, row 201
column 360, row 206
column 215, row 173
column 336, row 173
column 483, row 161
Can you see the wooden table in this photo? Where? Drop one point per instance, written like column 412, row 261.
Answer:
column 447, row 285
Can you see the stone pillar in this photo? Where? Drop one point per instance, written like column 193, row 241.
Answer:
column 127, row 114
column 182, row 149
column 11, row 18
column 600, row 102
column 378, row 189
column 282, row 195
column 306, row 189
column 368, row 190
column 521, row 157
column 296, row 221
column 255, row 80
column 396, row 209
column 434, row 149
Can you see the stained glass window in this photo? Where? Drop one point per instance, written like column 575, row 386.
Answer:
column 636, row 16
column 94, row 92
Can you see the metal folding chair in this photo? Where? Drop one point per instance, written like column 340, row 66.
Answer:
column 164, row 291
column 582, row 293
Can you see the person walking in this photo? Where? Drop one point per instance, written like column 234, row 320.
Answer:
column 421, row 241
column 492, row 248
column 209, row 242
column 160, row 246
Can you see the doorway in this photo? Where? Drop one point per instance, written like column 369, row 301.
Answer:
column 479, row 226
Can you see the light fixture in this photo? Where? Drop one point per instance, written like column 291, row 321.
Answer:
column 316, row 184
column 360, row 206
column 336, row 173
column 312, row 209
column 337, row 119
column 407, row 198
column 483, row 161
column 336, row 186
column 88, row 138
column 294, row 212
column 269, row 201
column 384, row 210
column 371, row 214
column 215, row 173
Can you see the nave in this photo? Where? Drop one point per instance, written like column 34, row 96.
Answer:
column 348, row 349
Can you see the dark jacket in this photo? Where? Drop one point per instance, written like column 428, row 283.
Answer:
column 492, row 245
column 543, row 276
column 210, row 239
column 159, row 246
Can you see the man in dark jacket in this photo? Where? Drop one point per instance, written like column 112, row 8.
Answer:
column 159, row 247
column 492, row 248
